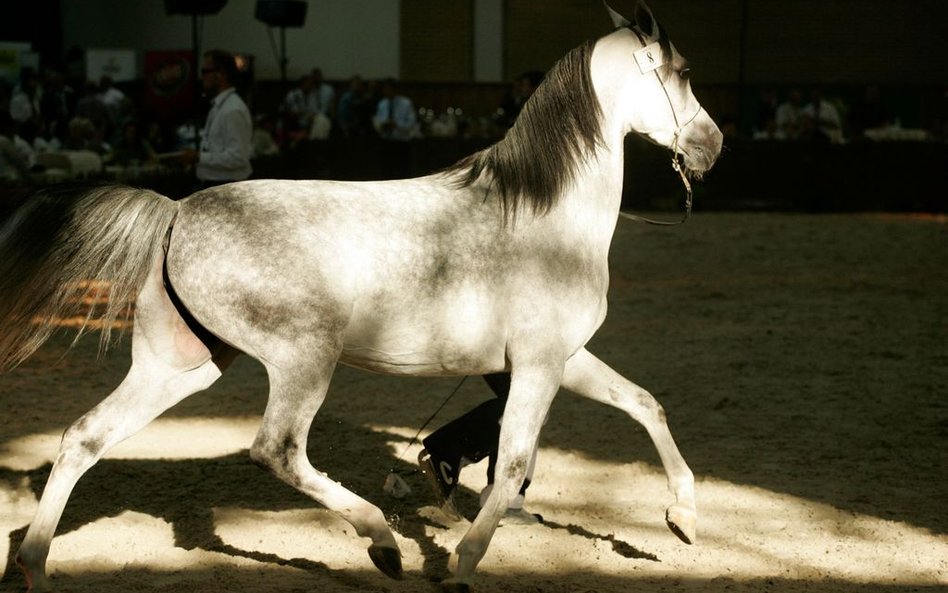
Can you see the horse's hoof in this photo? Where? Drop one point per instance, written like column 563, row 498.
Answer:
column 453, row 585
column 681, row 520
column 388, row 560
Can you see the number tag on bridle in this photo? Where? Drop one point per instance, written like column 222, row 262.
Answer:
column 649, row 57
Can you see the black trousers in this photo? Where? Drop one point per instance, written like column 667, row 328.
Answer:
column 475, row 434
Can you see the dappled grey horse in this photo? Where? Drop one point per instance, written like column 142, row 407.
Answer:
column 499, row 263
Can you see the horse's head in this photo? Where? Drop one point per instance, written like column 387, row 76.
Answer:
column 651, row 90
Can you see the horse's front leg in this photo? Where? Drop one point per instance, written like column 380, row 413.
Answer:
column 588, row 376
column 531, row 392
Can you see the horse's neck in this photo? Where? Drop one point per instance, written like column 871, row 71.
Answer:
column 591, row 206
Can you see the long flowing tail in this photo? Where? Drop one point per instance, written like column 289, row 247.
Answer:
column 62, row 238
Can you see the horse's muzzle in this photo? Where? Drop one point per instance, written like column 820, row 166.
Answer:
column 700, row 143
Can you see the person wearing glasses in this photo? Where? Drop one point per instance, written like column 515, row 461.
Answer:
column 226, row 143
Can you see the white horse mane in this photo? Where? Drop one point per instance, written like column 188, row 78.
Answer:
column 538, row 158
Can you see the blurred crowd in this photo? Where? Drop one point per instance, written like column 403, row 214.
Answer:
column 814, row 117
column 44, row 114
column 55, row 112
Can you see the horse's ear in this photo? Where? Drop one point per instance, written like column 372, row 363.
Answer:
column 645, row 20
column 617, row 19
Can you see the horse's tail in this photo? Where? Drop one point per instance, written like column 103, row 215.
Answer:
column 69, row 242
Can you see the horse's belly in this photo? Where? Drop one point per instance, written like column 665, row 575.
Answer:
column 434, row 358
column 461, row 335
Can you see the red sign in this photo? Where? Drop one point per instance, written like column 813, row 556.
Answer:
column 169, row 83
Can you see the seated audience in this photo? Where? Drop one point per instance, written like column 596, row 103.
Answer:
column 869, row 113
column 395, row 116
column 791, row 121
column 355, row 108
column 25, row 100
column 826, row 125
column 131, row 148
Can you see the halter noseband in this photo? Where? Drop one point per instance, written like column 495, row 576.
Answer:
column 676, row 165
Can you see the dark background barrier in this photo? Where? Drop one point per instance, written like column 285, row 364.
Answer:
column 750, row 175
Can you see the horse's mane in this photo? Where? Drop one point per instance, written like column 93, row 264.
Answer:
column 540, row 155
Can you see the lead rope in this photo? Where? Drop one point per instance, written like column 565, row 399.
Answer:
column 394, row 483
column 688, row 197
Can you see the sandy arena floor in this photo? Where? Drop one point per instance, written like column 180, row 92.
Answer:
column 802, row 360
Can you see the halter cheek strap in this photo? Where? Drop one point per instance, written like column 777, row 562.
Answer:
column 676, row 164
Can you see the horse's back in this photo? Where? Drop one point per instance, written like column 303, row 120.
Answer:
column 402, row 273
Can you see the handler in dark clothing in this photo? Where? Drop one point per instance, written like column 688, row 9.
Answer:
column 469, row 439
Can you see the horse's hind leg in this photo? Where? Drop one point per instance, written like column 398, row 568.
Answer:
column 168, row 364
column 296, row 393
column 588, row 376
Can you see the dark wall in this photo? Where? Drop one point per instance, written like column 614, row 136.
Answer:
column 37, row 22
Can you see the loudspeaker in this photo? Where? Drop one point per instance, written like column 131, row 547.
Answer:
column 194, row 7
column 281, row 13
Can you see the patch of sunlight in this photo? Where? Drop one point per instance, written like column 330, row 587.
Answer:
column 135, row 540
column 744, row 532
column 317, row 535
column 165, row 438
column 18, row 504
column 602, row 518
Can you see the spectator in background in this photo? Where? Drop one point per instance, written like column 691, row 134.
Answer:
column 58, row 103
column 521, row 91
column 25, row 101
column 354, row 112
column 765, row 115
column 90, row 107
column 791, row 120
column 13, row 167
column 395, row 116
column 325, row 94
column 131, row 148
column 321, row 125
column 33, row 134
column 84, row 135
column 826, row 125
column 264, row 143
column 301, row 105
column 226, row 143
column 23, row 141
column 116, row 103
column 74, row 67
column 158, row 137
column 396, row 122
column 870, row 112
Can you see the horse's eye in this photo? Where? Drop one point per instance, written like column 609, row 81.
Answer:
column 685, row 73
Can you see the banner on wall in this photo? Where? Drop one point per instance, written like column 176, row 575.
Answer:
column 118, row 64
column 169, row 83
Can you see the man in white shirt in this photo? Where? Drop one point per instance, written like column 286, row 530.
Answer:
column 226, row 143
column 824, row 117
column 396, row 122
column 310, row 106
column 790, row 117
column 395, row 117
